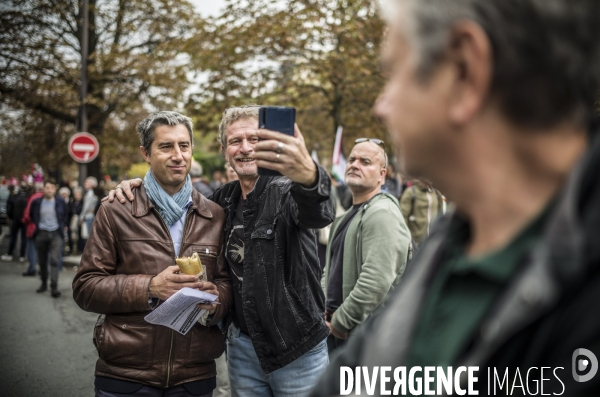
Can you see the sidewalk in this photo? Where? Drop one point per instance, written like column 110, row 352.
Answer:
column 45, row 343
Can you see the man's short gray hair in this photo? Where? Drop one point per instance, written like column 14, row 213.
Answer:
column 546, row 52
column 146, row 127
column 195, row 170
column 233, row 114
column 92, row 180
column 64, row 190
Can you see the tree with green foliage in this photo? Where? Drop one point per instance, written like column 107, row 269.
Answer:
column 321, row 56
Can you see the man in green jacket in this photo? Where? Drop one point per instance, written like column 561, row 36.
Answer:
column 368, row 245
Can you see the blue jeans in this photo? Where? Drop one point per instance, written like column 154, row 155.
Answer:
column 247, row 378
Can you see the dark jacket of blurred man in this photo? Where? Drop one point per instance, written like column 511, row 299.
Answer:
column 368, row 246
column 492, row 101
column 128, row 267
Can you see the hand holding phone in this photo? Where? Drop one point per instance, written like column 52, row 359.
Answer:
column 276, row 118
column 281, row 149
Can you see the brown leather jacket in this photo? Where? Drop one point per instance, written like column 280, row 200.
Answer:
column 128, row 245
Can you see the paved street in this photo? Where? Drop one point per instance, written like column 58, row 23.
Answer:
column 46, row 344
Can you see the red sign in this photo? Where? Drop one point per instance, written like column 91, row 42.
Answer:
column 83, row 147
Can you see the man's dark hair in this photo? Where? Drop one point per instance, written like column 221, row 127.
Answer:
column 546, row 53
column 52, row 181
column 146, row 127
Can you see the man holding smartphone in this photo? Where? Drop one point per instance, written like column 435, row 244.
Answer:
column 276, row 330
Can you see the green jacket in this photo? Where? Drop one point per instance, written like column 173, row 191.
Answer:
column 379, row 237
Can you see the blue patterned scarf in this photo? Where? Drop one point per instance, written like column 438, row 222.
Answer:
column 171, row 208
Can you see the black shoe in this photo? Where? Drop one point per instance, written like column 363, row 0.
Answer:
column 42, row 288
column 28, row 274
column 55, row 293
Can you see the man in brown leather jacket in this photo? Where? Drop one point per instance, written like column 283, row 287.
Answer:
column 128, row 267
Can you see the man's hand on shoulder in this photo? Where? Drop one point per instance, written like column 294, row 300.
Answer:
column 124, row 189
column 169, row 281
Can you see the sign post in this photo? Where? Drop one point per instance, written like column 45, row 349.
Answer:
column 83, row 126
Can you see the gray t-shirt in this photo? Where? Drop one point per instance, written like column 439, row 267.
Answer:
column 48, row 219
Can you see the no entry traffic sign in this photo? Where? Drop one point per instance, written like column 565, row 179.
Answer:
column 83, row 147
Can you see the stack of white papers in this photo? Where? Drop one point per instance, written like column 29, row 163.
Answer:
column 180, row 312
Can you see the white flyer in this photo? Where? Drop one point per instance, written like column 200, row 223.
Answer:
column 180, row 312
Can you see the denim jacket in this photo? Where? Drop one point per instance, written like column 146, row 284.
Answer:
column 283, row 302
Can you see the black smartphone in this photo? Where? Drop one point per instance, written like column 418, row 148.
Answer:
column 276, row 118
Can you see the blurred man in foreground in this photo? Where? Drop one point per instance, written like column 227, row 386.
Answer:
column 493, row 101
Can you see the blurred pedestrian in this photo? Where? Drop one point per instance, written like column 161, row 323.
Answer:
column 393, row 182
column 421, row 204
column 323, row 233
column 49, row 214
column 10, row 199
column 197, row 182
column 230, row 173
column 75, row 210
column 36, row 192
column 15, row 210
column 90, row 200
column 493, row 102
column 218, row 179
column 100, row 193
column 65, row 193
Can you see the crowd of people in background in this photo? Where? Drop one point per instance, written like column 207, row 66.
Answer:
column 82, row 204
column 420, row 203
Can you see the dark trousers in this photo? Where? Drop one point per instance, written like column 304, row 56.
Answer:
column 48, row 246
column 14, row 232
column 148, row 391
column 69, row 240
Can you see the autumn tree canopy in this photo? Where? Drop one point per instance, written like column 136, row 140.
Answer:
column 320, row 56
column 136, row 63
